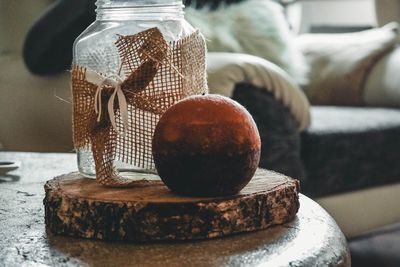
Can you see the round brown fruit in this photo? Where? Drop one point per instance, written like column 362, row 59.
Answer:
column 206, row 146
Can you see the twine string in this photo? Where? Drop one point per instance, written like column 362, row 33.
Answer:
column 115, row 82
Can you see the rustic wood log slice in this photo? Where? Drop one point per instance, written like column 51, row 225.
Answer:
column 80, row 207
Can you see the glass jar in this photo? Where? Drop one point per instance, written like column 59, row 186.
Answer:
column 95, row 49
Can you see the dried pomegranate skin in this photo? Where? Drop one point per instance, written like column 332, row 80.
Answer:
column 206, row 146
column 208, row 174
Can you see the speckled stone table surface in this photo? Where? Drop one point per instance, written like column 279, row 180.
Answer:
column 312, row 239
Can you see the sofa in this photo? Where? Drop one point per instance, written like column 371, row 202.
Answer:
column 341, row 153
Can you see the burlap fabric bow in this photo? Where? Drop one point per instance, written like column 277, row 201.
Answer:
column 116, row 114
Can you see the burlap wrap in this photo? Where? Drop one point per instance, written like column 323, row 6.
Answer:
column 154, row 75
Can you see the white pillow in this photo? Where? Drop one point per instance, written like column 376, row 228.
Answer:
column 226, row 70
column 341, row 63
column 383, row 83
column 256, row 27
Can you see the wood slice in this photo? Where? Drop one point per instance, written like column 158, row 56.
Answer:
column 78, row 206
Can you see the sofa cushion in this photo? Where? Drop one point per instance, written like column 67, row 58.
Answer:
column 382, row 86
column 350, row 148
column 340, row 63
column 226, row 70
column 280, row 140
column 255, row 27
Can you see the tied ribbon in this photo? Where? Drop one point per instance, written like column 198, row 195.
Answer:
column 115, row 82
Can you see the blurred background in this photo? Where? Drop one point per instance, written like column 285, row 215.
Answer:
column 28, row 124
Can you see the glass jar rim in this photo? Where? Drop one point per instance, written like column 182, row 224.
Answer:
column 139, row 9
column 138, row 3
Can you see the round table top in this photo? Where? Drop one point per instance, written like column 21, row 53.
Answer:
column 312, row 239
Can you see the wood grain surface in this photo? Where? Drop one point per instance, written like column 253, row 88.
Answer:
column 79, row 206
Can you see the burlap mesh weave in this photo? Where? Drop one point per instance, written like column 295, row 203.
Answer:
column 155, row 75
